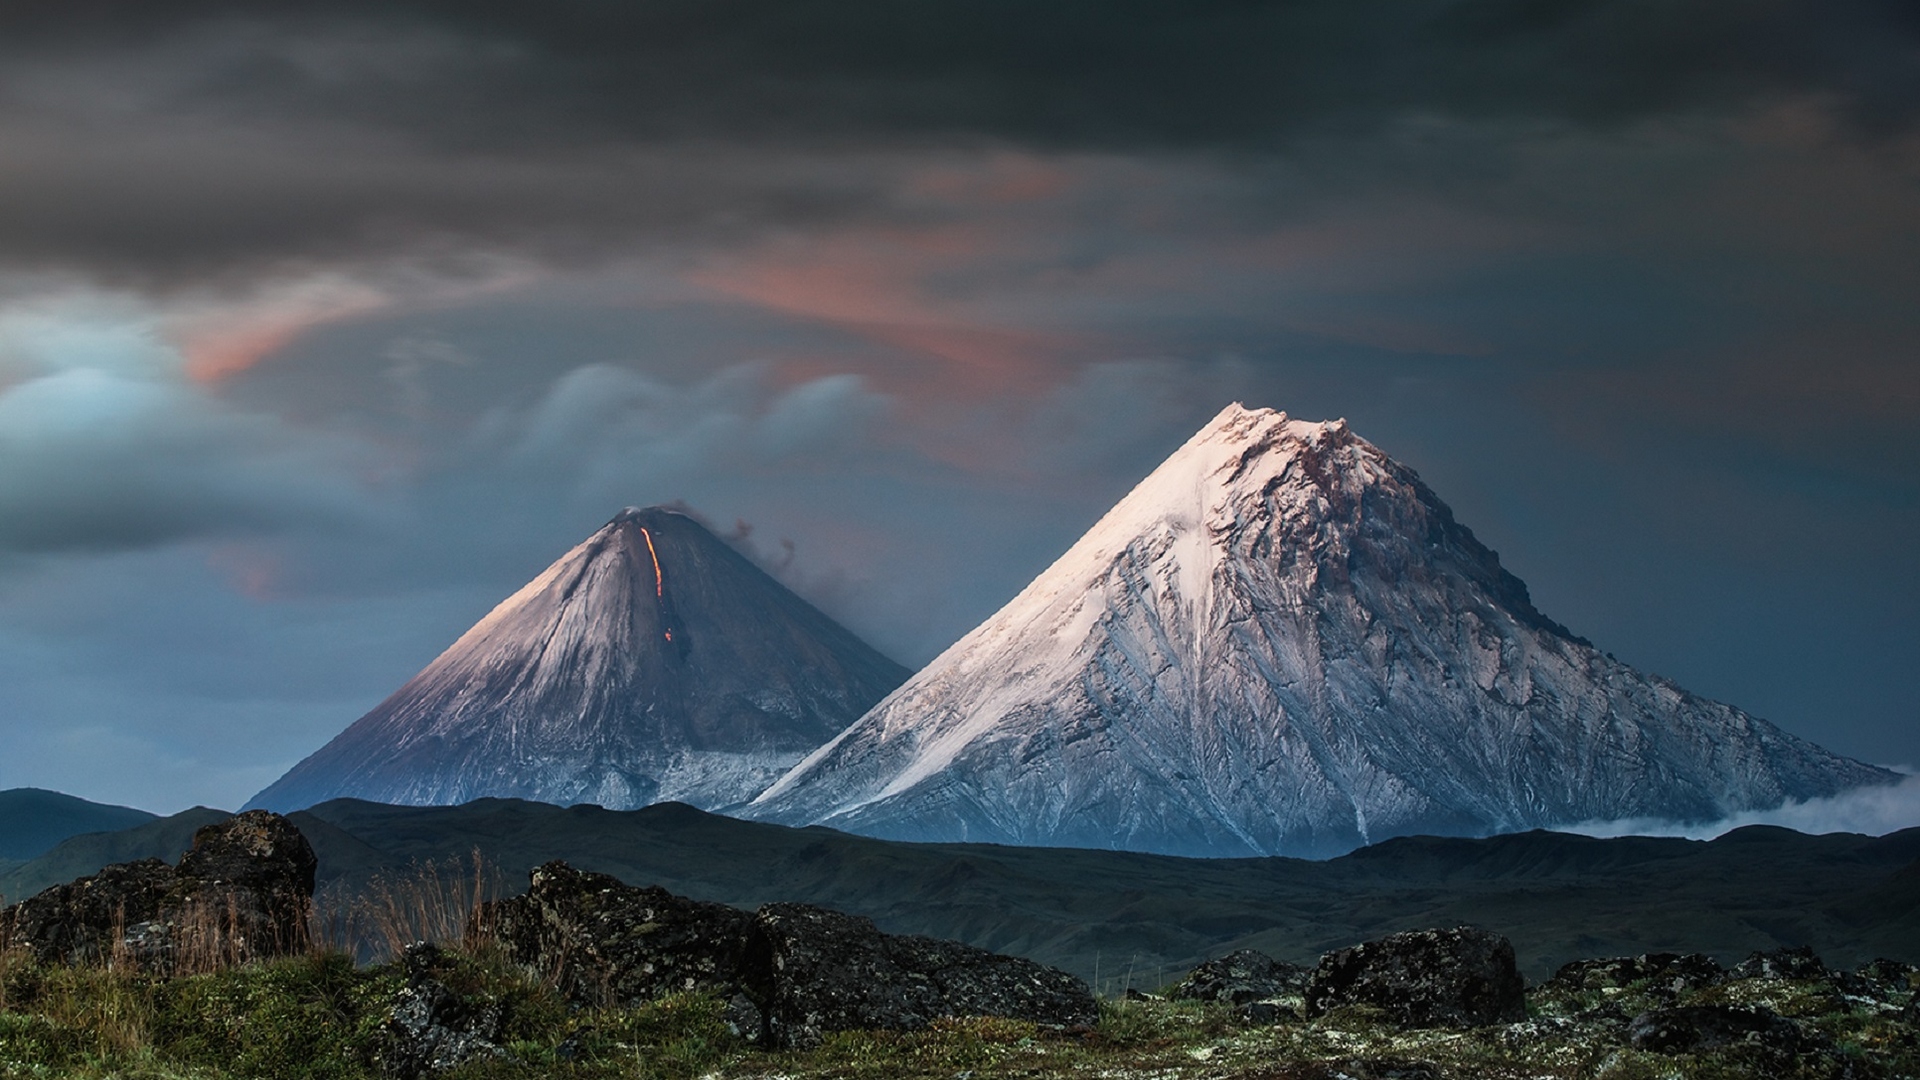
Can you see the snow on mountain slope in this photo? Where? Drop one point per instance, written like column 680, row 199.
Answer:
column 1282, row 643
column 650, row 663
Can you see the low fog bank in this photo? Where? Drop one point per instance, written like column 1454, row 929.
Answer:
column 1872, row 811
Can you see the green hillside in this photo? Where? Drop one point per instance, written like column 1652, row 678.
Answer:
column 1127, row 918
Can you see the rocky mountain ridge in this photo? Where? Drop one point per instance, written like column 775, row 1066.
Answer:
column 1282, row 642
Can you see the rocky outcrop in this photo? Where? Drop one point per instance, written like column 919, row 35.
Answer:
column 1241, row 978
column 432, row 1029
column 813, row 971
column 1668, row 973
column 790, row 972
column 242, row 892
column 1890, row 975
column 607, row 943
column 1464, row 977
column 1690, row 1029
column 1798, row 964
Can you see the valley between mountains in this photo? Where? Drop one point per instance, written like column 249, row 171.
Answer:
column 1125, row 918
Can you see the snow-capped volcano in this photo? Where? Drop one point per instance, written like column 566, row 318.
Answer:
column 651, row 662
column 1281, row 642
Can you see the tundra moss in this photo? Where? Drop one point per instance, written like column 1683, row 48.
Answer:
column 321, row 1017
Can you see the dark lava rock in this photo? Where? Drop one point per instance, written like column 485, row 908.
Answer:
column 1379, row 1069
column 1464, row 977
column 1689, row 1029
column 1891, row 975
column 1239, row 978
column 432, row 1029
column 254, row 871
column 814, row 971
column 1261, row 1012
column 86, row 920
column 1671, row 973
column 608, row 943
column 242, row 892
column 790, row 972
column 1799, row 964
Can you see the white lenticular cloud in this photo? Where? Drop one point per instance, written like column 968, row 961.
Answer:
column 1871, row 811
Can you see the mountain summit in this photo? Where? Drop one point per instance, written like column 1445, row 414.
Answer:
column 1281, row 642
column 652, row 662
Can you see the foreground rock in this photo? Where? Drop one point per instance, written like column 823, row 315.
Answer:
column 1241, row 978
column 432, row 1029
column 1464, row 977
column 604, row 942
column 792, row 972
column 1666, row 973
column 242, row 892
column 813, row 971
column 1691, row 1029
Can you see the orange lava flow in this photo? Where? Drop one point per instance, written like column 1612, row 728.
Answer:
column 659, row 583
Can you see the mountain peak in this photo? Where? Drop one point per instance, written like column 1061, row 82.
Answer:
column 644, row 515
column 651, row 662
column 1281, row 642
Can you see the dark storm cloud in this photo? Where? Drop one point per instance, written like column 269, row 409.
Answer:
column 1082, row 72
column 156, row 142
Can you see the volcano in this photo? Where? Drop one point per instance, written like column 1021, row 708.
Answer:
column 653, row 662
column 1281, row 642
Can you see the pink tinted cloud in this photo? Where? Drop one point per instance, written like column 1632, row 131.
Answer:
column 220, row 341
column 893, row 288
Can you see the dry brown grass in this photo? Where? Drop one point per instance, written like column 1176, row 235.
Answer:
column 429, row 902
column 11, row 960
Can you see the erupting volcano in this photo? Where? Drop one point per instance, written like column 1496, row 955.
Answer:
column 652, row 662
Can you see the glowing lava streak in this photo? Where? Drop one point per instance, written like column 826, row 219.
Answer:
column 659, row 583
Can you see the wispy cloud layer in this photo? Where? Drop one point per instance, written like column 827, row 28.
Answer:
column 1871, row 811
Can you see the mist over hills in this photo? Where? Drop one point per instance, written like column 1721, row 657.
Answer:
column 1558, row 896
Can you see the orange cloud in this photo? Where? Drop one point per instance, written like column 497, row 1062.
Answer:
column 901, row 289
column 220, row 341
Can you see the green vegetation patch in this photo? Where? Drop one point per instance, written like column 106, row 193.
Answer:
column 322, row 1017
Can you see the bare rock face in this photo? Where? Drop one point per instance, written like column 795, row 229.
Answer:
column 1464, row 977
column 1691, row 1029
column 432, row 1029
column 1240, row 978
column 1798, row 964
column 815, row 971
column 792, row 972
column 81, row 921
column 611, row 943
column 242, row 892
column 1670, row 973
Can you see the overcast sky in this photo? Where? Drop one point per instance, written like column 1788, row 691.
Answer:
column 325, row 326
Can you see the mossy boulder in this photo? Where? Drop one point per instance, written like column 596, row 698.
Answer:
column 1464, row 977
column 790, row 972
column 242, row 892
